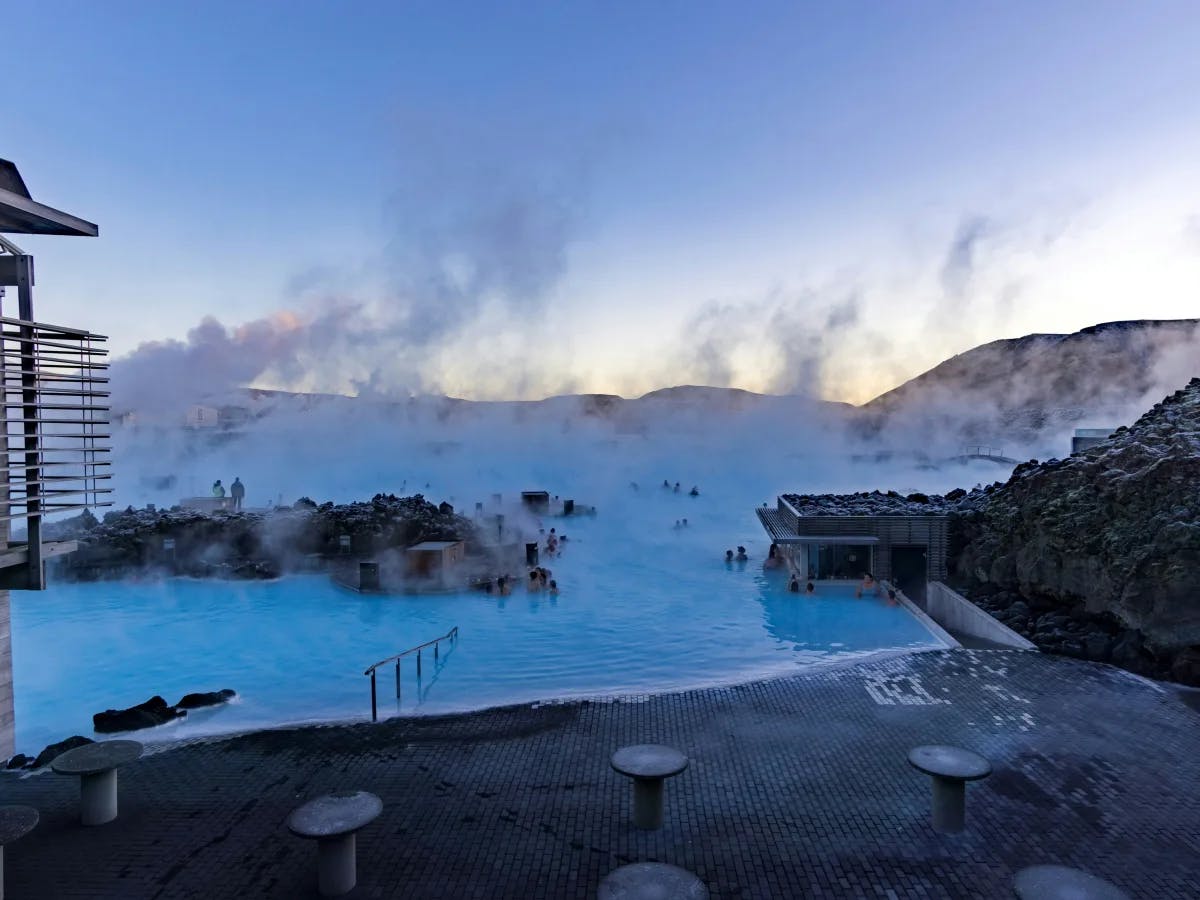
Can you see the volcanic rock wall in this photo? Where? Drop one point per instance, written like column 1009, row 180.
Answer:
column 1098, row 555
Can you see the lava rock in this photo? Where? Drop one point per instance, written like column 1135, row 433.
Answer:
column 1097, row 646
column 246, row 545
column 208, row 698
column 1128, row 652
column 254, row 570
column 19, row 761
column 54, row 751
column 1186, row 667
column 1112, row 534
column 154, row 711
column 1019, row 608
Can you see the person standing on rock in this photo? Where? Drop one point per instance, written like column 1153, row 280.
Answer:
column 218, row 488
column 237, row 491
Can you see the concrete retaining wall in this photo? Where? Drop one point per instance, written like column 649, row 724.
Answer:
column 923, row 617
column 955, row 612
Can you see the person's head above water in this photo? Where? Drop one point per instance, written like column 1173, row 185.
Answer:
column 729, row 554
column 809, row 587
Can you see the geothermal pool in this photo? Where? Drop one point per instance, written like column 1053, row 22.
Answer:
column 644, row 607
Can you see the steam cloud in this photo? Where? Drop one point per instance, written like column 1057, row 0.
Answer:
column 788, row 337
column 478, row 243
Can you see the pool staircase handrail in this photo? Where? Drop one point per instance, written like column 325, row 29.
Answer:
column 451, row 636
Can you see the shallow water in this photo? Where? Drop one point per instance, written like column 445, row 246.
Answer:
column 644, row 607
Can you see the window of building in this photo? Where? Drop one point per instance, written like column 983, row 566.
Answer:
column 838, row 560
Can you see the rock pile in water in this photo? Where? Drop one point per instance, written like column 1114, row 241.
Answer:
column 154, row 711
column 246, row 545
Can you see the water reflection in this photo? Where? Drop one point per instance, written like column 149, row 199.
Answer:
column 833, row 620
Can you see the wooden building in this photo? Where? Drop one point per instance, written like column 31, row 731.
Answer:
column 433, row 559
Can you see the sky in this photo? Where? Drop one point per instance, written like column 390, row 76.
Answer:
column 517, row 200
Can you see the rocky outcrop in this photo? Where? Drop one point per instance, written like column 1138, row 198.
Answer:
column 54, row 751
column 154, row 711
column 1098, row 555
column 209, row 698
column 246, row 545
column 1095, row 556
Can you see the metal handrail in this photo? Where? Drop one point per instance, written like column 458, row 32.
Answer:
column 980, row 450
column 451, row 636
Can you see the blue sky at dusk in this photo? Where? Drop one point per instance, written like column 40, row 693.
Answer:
column 502, row 200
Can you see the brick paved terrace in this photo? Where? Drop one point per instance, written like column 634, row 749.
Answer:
column 798, row 787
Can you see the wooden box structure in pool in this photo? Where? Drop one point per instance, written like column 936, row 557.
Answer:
column 536, row 501
column 433, row 559
column 908, row 550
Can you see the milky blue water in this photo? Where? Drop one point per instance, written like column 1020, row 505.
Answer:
column 644, row 607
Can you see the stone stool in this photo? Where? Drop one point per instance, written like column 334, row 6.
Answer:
column 333, row 820
column 15, row 822
column 1061, row 883
column 648, row 765
column 951, row 768
column 96, row 765
column 651, row 881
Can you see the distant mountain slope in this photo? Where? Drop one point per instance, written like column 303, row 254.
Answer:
column 1004, row 393
column 699, row 399
column 1109, row 365
column 1009, row 390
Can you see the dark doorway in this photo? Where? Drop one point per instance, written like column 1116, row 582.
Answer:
column 910, row 571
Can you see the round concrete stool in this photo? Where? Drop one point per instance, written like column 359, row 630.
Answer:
column 15, row 822
column 951, row 768
column 333, row 820
column 96, row 765
column 651, row 881
column 648, row 765
column 1062, row 883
